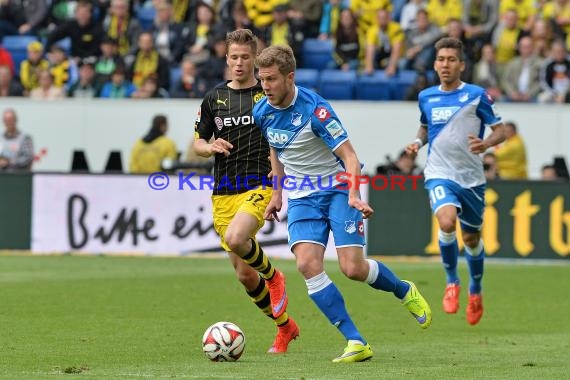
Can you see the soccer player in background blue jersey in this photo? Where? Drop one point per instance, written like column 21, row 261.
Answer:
column 308, row 141
column 453, row 120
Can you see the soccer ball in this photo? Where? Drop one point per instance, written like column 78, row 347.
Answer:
column 223, row 342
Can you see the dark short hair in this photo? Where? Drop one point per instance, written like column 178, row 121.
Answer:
column 451, row 43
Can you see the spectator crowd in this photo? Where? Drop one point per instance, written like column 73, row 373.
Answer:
column 517, row 49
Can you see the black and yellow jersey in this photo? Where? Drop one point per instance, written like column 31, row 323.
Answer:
column 227, row 113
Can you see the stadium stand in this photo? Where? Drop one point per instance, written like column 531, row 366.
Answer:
column 317, row 53
column 373, row 87
column 401, row 82
column 337, row 84
column 308, row 78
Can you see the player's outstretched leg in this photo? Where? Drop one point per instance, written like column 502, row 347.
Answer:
column 275, row 280
column 285, row 334
column 449, row 253
column 355, row 352
column 417, row 306
column 382, row 278
column 475, row 260
column 329, row 300
column 258, row 292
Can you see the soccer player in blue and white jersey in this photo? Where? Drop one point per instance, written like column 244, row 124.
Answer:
column 308, row 141
column 454, row 116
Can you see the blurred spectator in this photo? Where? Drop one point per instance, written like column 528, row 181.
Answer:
column 47, row 89
column 107, row 61
column 147, row 61
column 60, row 12
column 7, row 60
column 485, row 72
column 22, row 17
column 505, row 38
column 347, row 50
column 557, row 13
column 542, row 38
column 84, row 32
column 238, row 20
column 479, row 19
column 124, row 29
column 199, row 32
column 118, row 87
column 150, row 152
column 213, row 70
column 441, row 11
column 330, row 19
column 525, row 11
column 17, row 148
column 490, row 166
column 561, row 168
column 86, row 86
column 455, row 30
column 404, row 165
column 150, row 90
column 63, row 69
column 189, row 85
column 183, row 10
column 9, row 86
column 409, row 13
column 306, row 16
column 511, row 155
column 31, row 66
column 548, row 173
column 422, row 82
column 366, row 12
column 260, row 12
column 167, row 34
column 384, row 44
column 555, row 75
column 521, row 80
column 420, row 40
column 284, row 31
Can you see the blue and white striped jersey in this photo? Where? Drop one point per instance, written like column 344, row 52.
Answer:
column 450, row 116
column 305, row 134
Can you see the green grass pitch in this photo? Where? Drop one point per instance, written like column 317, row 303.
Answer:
column 104, row 317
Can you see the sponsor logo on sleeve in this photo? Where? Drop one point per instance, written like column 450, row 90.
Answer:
column 322, row 113
column 334, row 129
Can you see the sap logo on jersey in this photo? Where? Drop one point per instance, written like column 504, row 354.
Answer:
column 441, row 115
column 278, row 137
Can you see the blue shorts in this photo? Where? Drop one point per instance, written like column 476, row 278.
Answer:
column 311, row 218
column 470, row 202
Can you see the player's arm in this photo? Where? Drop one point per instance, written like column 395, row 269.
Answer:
column 477, row 145
column 204, row 129
column 276, row 201
column 205, row 149
column 413, row 148
column 352, row 166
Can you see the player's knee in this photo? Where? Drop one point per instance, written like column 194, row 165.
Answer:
column 235, row 242
column 471, row 239
column 309, row 268
column 354, row 270
column 447, row 224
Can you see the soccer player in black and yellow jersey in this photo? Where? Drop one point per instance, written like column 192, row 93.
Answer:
column 242, row 152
